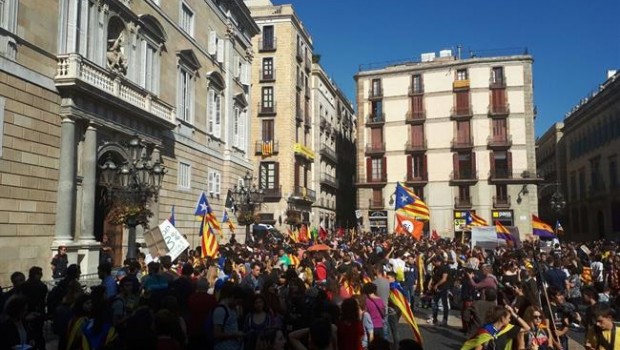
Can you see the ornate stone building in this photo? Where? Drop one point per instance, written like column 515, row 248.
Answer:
column 80, row 78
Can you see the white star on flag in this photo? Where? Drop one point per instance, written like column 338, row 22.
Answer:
column 403, row 199
column 203, row 207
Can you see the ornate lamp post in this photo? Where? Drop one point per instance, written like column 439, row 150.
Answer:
column 246, row 197
column 131, row 187
column 557, row 202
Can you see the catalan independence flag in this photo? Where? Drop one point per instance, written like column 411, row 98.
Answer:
column 484, row 335
column 209, row 244
column 398, row 299
column 203, row 210
column 409, row 204
column 502, row 232
column 541, row 228
column 471, row 219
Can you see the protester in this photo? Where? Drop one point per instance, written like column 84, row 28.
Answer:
column 59, row 263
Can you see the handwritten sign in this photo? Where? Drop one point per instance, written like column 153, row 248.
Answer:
column 175, row 242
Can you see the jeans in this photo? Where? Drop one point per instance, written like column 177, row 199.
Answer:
column 409, row 296
column 443, row 295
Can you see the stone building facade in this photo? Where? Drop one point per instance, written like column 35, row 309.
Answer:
column 78, row 85
column 588, row 171
column 459, row 132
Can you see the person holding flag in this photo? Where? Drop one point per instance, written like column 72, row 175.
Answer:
column 499, row 333
column 208, row 228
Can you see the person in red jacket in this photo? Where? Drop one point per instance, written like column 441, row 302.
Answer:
column 320, row 268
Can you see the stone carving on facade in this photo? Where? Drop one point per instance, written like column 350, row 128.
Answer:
column 117, row 61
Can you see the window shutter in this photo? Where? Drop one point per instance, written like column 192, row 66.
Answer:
column 242, row 132
column 409, row 164
column 236, row 127
column 218, row 116
column 210, row 111
column 509, row 161
column 424, row 168
column 492, row 163
column 212, row 42
column 217, row 183
column 220, row 50
column 384, row 168
column 368, row 169
column 276, row 175
column 210, row 182
column 455, row 165
column 245, row 73
column 180, row 110
column 473, row 164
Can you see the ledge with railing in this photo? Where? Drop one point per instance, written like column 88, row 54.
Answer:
column 375, row 119
column 329, row 180
column 499, row 110
column 267, row 148
column 461, row 112
column 462, row 202
column 272, row 194
column 501, row 201
column 464, row 176
column 462, row 143
column 74, row 69
column 375, row 148
column 267, row 75
column 329, row 153
column 415, row 146
column 266, row 108
column 375, row 93
column 267, row 45
column 415, row 117
column 303, row 193
column 499, row 142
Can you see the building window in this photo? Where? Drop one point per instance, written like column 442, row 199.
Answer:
column 377, row 168
column 187, row 19
column 268, row 68
column 416, row 84
column 267, row 177
column 186, row 95
column 613, row 171
column 8, row 21
column 268, row 130
column 236, row 126
column 268, row 38
column 497, row 75
column 595, row 174
column 267, row 98
column 185, row 175
column 464, row 195
column 214, row 111
column 573, row 185
column 149, row 71
column 214, row 182
column 461, row 74
column 375, row 90
column 216, row 46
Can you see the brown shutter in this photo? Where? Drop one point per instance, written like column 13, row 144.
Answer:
column 498, row 97
column 455, row 165
column 409, row 168
column 462, row 100
column 473, row 164
column 424, row 168
column 276, row 178
column 418, row 104
column 368, row 169
column 492, row 163
column 384, row 168
column 296, row 175
column 509, row 161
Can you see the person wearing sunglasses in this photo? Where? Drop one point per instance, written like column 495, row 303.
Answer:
column 539, row 337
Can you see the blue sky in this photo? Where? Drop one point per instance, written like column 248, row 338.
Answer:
column 573, row 42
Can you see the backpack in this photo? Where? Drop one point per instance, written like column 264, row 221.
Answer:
column 210, row 326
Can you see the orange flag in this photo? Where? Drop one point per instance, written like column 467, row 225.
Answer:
column 407, row 224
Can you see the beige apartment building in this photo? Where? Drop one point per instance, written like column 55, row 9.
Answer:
column 459, row 132
column 550, row 155
column 282, row 122
column 587, row 173
column 80, row 78
column 333, row 122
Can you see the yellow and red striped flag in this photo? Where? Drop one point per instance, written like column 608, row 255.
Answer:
column 210, row 247
column 408, row 203
column 294, row 259
column 398, row 299
column 293, row 236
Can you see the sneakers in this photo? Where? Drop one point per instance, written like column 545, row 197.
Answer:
column 431, row 321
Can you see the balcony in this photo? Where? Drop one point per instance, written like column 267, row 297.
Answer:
column 329, row 153
column 308, row 64
column 415, row 117
column 272, row 194
column 417, row 179
column 301, row 193
column 375, row 120
column 497, row 83
column 415, row 146
column 461, row 113
column 501, row 143
column 505, row 176
column 376, row 204
column 77, row 72
column 375, row 148
column 329, row 180
column 416, row 90
column 375, row 93
column 460, row 84
column 303, row 152
column 458, row 144
column 266, row 148
column 266, row 109
column 462, row 202
column 267, row 45
column 463, row 177
column 501, row 202
column 498, row 111
column 267, row 76
column 379, row 181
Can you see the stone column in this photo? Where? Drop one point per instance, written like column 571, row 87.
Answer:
column 89, row 185
column 65, row 203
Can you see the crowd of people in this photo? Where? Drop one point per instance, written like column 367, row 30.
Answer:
column 285, row 295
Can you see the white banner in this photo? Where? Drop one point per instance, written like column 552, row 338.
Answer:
column 484, row 237
column 175, row 242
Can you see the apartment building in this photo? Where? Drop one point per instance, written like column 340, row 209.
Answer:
column 80, row 81
column 332, row 116
column 588, row 172
column 282, row 123
column 458, row 131
column 550, row 155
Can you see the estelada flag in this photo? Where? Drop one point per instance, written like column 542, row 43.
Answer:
column 209, row 244
column 398, row 299
column 407, row 224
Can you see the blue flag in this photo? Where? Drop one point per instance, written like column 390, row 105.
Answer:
column 171, row 218
column 468, row 218
column 202, row 208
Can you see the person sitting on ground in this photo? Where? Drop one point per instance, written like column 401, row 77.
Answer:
column 606, row 335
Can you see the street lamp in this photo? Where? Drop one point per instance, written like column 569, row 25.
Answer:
column 246, row 197
column 557, row 202
column 131, row 187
